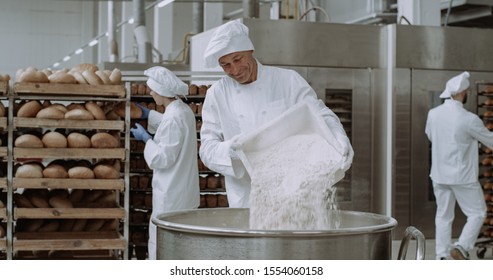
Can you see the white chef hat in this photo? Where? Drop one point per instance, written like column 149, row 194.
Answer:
column 456, row 85
column 228, row 38
column 164, row 82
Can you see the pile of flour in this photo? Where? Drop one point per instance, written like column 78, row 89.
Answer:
column 292, row 185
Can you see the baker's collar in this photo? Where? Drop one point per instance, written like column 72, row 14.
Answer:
column 454, row 102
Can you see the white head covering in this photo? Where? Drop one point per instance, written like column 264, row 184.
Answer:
column 164, row 82
column 456, row 85
column 228, row 38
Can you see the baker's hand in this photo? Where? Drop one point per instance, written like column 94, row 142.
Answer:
column 140, row 133
column 348, row 154
column 234, row 147
column 145, row 111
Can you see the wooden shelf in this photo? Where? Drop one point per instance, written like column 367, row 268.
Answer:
column 69, row 89
column 51, row 183
column 69, row 213
column 69, row 153
column 64, row 123
column 24, row 241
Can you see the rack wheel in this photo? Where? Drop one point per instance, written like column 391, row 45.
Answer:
column 480, row 253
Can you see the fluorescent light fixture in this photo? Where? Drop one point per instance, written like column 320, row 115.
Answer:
column 56, row 64
column 66, row 58
column 93, row 42
column 79, row 51
column 164, row 3
column 131, row 20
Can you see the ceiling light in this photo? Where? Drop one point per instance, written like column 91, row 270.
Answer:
column 93, row 42
column 56, row 64
column 79, row 51
column 66, row 58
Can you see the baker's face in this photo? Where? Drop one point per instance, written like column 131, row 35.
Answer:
column 240, row 66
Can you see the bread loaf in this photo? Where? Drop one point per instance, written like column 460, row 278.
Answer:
column 29, row 109
column 92, row 78
column 135, row 111
column 29, row 170
column 91, row 196
column 21, row 201
column 102, row 75
column 39, row 202
column 79, row 225
column 54, row 139
column 95, row 110
column 103, row 140
column 62, row 78
column 79, row 78
column 50, row 113
column 2, row 110
column 2, row 205
column 78, row 140
column 116, row 76
column 32, row 225
column 79, row 114
column 28, row 141
column 59, row 201
column 104, row 171
column 110, row 225
column 72, row 106
column 83, row 67
column 80, row 172
column 54, row 170
column 50, row 226
column 76, row 196
column 94, row 225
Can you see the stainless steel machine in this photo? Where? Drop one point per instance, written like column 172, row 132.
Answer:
column 381, row 81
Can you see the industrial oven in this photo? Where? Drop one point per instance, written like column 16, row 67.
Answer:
column 381, row 81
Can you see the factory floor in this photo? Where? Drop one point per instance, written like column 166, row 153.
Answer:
column 430, row 250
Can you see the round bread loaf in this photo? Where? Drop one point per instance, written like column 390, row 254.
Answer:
column 2, row 205
column 50, row 113
column 72, row 106
column 62, row 78
column 60, row 107
column 78, row 140
column 79, row 114
column 104, row 171
column 92, row 196
column 80, row 172
column 92, row 78
column 21, row 201
column 54, row 170
column 95, row 110
column 116, row 76
column 103, row 140
column 54, row 139
column 59, row 201
column 135, row 111
column 28, row 141
column 29, row 109
column 79, row 78
column 29, row 170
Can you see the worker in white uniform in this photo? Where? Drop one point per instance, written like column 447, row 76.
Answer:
column 172, row 153
column 454, row 133
column 250, row 95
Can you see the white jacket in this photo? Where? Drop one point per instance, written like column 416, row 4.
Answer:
column 454, row 133
column 231, row 108
column 172, row 155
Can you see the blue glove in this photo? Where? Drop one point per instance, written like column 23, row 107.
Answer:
column 140, row 133
column 145, row 111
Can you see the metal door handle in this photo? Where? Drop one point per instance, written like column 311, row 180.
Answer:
column 412, row 232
